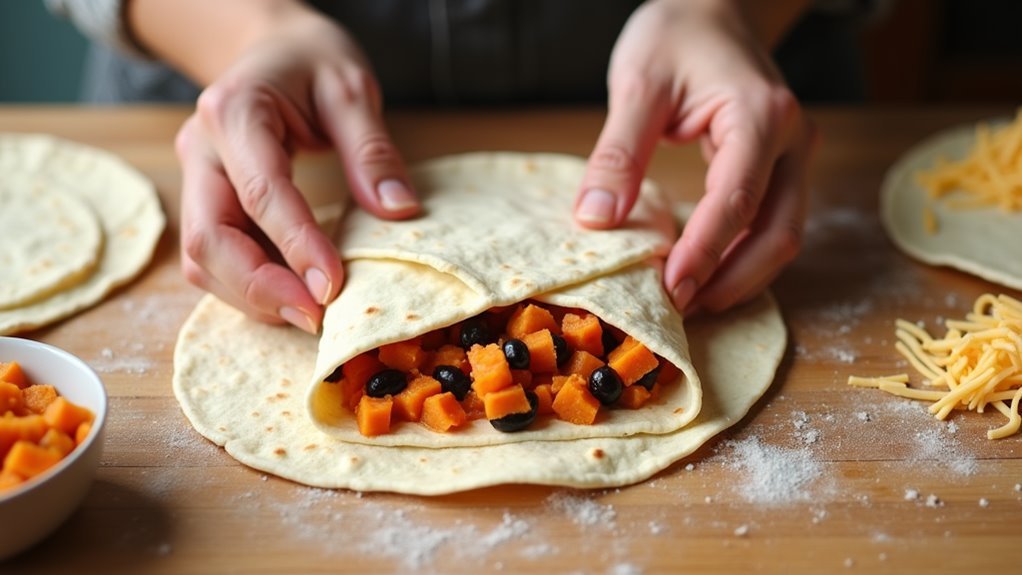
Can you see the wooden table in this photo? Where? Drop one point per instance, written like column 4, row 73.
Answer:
column 167, row 501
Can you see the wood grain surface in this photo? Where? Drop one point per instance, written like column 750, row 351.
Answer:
column 167, row 501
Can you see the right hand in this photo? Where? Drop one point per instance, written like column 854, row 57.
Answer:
column 248, row 235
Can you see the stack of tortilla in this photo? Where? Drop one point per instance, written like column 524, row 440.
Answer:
column 497, row 230
column 75, row 223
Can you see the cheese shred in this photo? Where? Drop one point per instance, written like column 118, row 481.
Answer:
column 988, row 176
column 978, row 363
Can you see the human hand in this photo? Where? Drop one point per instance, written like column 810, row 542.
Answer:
column 689, row 69
column 248, row 235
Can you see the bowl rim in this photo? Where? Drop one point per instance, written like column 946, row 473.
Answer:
column 97, row 426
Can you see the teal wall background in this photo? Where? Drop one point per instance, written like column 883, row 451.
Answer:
column 40, row 55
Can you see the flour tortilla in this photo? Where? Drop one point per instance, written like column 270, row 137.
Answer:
column 123, row 200
column 986, row 242
column 49, row 241
column 242, row 385
column 497, row 231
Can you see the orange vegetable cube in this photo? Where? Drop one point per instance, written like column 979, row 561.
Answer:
column 82, row 432
column 39, row 397
column 505, row 402
column 530, row 319
column 373, row 415
column 57, row 441
column 473, row 406
column 545, row 395
column 360, row 368
column 631, row 360
column 11, row 399
column 28, row 459
column 351, row 392
column 9, row 480
column 451, row 355
column 11, row 372
column 633, row 397
column 13, row 429
column 490, row 371
column 403, row 355
column 557, row 382
column 542, row 355
column 583, row 333
column 441, row 412
column 63, row 415
column 582, row 363
column 575, row 404
column 408, row 403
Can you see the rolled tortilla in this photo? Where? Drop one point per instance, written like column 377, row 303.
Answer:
column 497, row 230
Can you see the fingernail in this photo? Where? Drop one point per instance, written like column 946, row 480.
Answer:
column 298, row 319
column 683, row 293
column 597, row 206
column 394, row 196
column 318, row 285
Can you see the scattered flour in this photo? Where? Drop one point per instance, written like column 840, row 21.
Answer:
column 933, row 501
column 911, row 495
column 984, row 502
column 741, row 530
column 581, row 510
column 941, row 445
column 774, row 475
column 625, row 569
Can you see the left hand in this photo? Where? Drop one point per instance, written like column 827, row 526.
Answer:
column 689, row 69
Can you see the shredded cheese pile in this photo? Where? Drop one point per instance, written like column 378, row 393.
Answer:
column 978, row 363
column 991, row 175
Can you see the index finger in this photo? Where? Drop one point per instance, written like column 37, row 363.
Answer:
column 248, row 133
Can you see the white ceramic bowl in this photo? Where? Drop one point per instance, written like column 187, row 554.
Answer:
column 37, row 507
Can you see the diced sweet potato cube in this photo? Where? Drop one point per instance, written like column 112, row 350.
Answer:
column 408, row 403
column 57, row 441
column 530, row 319
column 9, row 480
column 490, row 371
column 351, row 392
column 631, row 360
column 542, row 355
column 582, row 363
column 473, row 406
column 583, row 333
column 360, row 368
column 441, row 412
column 633, row 397
column 28, row 459
column 11, row 372
column 11, row 399
column 63, row 415
column 452, row 355
column 12, row 429
column 403, row 355
column 505, row 402
column 558, row 381
column 575, row 404
column 82, row 432
column 522, row 377
column 39, row 397
column 545, row 395
column 373, row 415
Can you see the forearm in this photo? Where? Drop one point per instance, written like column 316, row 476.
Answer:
column 202, row 38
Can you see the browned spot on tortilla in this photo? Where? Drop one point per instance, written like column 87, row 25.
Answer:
column 286, row 413
column 256, row 414
column 285, row 382
column 221, row 428
column 530, row 166
column 423, row 460
column 505, row 267
column 416, row 234
column 269, row 428
column 280, row 451
column 516, row 281
column 598, row 453
column 372, row 309
column 310, row 447
column 412, row 317
column 569, row 261
column 354, row 459
column 589, row 254
column 679, row 410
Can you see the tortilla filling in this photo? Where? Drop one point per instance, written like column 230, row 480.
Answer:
column 513, row 365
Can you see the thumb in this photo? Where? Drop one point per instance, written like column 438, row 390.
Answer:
column 635, row 122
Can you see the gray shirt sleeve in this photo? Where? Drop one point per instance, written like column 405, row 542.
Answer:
column 101, row 20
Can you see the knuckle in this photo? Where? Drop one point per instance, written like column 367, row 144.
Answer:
column 195, row 243
column 613, row 158
column 785, row 105
column 709, row 254
column 742, row 206
column 255, row 196
column 184, row 138
column 376, row 149
column 788, row 242
column 252, row 287
column 212, row 104
column 297, row 238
